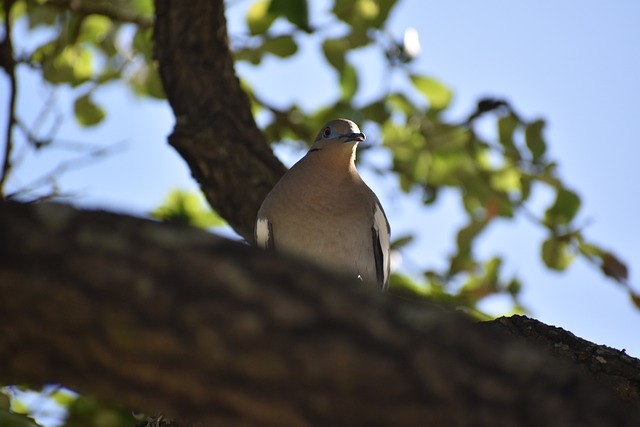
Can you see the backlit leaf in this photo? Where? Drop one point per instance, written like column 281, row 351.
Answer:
column 556, row 254
column 296, row 11
column 258, row 17
column 564, row 208
column 438, row 95
column 87, row 112
column 534, row 140
column 506, row 129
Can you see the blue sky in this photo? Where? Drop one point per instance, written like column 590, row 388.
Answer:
column 577, row 66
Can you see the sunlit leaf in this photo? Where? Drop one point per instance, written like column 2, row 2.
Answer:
column 438, row 95
column 72, row 65
column 296, row 11
column 64, row 397
column 556, row 253
column 87, row 112
column 94, row 29
column 187, row 208
column 506, row 179
column 564, row 208
column 142, row 7
column 258, row 17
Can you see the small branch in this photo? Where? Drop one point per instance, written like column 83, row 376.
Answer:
column 6, row 46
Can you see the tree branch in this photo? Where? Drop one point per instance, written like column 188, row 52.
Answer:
column 215, row 130
column 175, row 320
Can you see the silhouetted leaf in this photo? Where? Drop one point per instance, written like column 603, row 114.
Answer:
column 613, row 267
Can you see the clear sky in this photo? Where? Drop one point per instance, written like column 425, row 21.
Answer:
column 576, row 65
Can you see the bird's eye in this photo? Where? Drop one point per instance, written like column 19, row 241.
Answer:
column 326, row 132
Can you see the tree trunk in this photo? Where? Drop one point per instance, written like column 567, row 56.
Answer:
column 215, row 131
column 170, row 319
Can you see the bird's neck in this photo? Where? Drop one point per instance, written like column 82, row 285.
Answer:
column 336, row 159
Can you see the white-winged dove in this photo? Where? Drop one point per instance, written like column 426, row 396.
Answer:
column 322, row 210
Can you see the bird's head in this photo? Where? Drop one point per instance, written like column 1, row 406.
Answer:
column 340, row 134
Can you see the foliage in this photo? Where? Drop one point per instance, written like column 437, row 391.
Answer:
column 87, row 44
column 182, row 207
column 92, row 43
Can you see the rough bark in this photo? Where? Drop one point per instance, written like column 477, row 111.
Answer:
column 215, row 131
column 175, row 320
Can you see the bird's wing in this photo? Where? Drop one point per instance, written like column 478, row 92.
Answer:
column 381, row 234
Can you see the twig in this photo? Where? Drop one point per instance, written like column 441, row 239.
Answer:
column 6, row 46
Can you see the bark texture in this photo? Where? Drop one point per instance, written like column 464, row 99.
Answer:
column 215, row 131
column 174, row 320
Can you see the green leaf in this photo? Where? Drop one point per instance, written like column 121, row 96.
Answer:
column 282, row 46
column 72, row 65
column 467, row 234
column 41, row 15
column 556, row 253
column 296, row 11
column 438, row 95
column 64, row 397
column 534, row 140
column 376, row 111
column 334, row 50
column 187, row 208
column 94, row 29
column 506, row 129
column 258, row 17
column 348, row 81
column 564, row 208
column 143, row 43
column 142, row 7
column 402, row 241
column 87, row 112
column 399, row 102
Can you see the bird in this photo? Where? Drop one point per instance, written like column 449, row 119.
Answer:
column 322, row 210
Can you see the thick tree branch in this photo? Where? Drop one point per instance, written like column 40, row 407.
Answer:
column 178, row 321
column 215, row 131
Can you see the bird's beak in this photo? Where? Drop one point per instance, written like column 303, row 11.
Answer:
column 354, row 137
